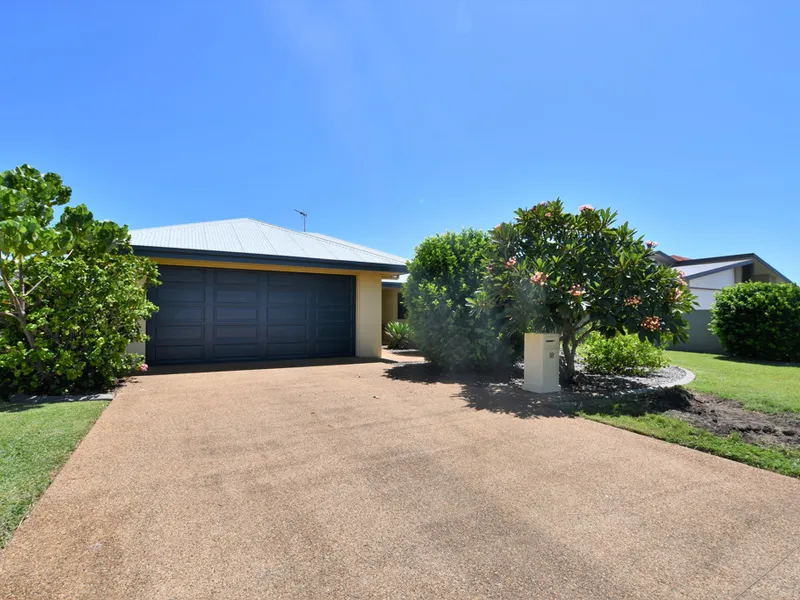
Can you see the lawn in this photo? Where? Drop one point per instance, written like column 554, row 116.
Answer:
column 676, row 431
column 766, row 387
column 763, row 387
column 35, row 440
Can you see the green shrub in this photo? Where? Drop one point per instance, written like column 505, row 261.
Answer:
column 446, row 270
column 399, row 335
column 621, row 355
column 758, row 320
column 72, row 290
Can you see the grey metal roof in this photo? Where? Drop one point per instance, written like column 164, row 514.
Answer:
column 700, row 269
column 248, row 237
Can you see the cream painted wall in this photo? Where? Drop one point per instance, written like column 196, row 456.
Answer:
column 389, row 302
column 368, row 315
column 138, row 347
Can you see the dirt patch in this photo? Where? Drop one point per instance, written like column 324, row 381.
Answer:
column 727, row 416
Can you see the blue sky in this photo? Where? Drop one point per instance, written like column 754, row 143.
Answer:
column 391, row 121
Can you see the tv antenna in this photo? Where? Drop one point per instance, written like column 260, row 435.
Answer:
column 305, row 216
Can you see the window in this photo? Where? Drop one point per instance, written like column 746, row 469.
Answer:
column 401, row 307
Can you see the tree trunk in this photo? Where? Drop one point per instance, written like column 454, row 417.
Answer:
column 569, row 346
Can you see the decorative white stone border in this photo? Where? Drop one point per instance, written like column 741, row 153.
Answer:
column 37, row 399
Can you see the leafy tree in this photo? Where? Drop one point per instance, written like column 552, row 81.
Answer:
column 71, row 290
column 446, row 270
column 551, row 271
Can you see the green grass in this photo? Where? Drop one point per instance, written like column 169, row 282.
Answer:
column 765, row 387
column 780, row 460
column 35, row 440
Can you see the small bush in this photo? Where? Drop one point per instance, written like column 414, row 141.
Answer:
column 446, row 270
column 399, row 335
column 621, row 355
column 759, row 320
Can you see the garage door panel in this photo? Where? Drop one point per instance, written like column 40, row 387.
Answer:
column 286, row 297
column 332, row 348
column 287, row 333
column 286, row 314
column 180, row 333
column 219, row 314
column 168, row 313
column 181, row 275
column 325, row 298
column 336, row 330
column 279, row 350
column 334, row 315
column 233, row 295
column 222, row 276
column 223, row 314
column 178, row 354
column 235, row 332
column 182, row 293
column 237, row 351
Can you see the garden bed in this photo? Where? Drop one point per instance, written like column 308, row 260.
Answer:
column 728, row 416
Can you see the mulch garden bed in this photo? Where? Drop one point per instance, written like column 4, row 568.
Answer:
column 727, row 416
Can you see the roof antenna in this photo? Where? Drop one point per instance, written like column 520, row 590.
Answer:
column 305, row 216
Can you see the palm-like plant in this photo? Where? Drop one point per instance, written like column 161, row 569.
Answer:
column 399, row 335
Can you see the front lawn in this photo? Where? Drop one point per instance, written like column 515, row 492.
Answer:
column 766, row 387
column 35, row 440
column 772, row 389
column 670, row 429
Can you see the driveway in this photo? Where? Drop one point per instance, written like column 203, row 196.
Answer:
column 338, row 481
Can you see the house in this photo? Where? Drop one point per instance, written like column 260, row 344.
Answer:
column 392, row 308
column 705, row 277
column 243, row 289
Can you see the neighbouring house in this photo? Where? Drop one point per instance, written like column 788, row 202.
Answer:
column 705, row 277
column 392, row 307
column 243, row 289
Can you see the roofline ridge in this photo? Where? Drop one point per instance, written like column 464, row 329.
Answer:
column 191, row 224
column 330, row 240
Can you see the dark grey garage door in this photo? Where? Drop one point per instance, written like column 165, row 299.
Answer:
column 208, row 315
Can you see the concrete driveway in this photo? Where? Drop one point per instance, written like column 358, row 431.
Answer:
column 338, row 481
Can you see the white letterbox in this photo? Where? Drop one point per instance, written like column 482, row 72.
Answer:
column 541, row 363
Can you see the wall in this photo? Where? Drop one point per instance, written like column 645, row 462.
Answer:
column 138, row 347
column 368, row 298
column 705, row 287
column 700, row 338
column 389, row 309
column 368, row 315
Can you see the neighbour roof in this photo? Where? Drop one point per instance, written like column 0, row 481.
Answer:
column 395, row 283
column 249, row 240
column 698, row 267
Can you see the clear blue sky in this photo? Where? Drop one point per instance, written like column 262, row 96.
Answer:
column 392, row 120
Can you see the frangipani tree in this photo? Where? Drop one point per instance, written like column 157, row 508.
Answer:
column 552, row 271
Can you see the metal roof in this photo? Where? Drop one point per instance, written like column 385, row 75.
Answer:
column 700, row 269
column 250, row 239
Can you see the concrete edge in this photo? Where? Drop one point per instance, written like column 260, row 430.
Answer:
column 687, row 378
column 39, row 399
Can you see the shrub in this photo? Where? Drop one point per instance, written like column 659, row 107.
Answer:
column 759, row 320
column 574, row 273
column 399, row 335
column 621, row 355
column 446, row 270
column 72, row 291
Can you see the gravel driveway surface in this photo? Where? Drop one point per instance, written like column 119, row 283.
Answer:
column 338, row 481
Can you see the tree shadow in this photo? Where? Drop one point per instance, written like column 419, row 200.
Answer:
column 501, row 392
column 747, row 361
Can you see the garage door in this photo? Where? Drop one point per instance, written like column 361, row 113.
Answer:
column 215, row 315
